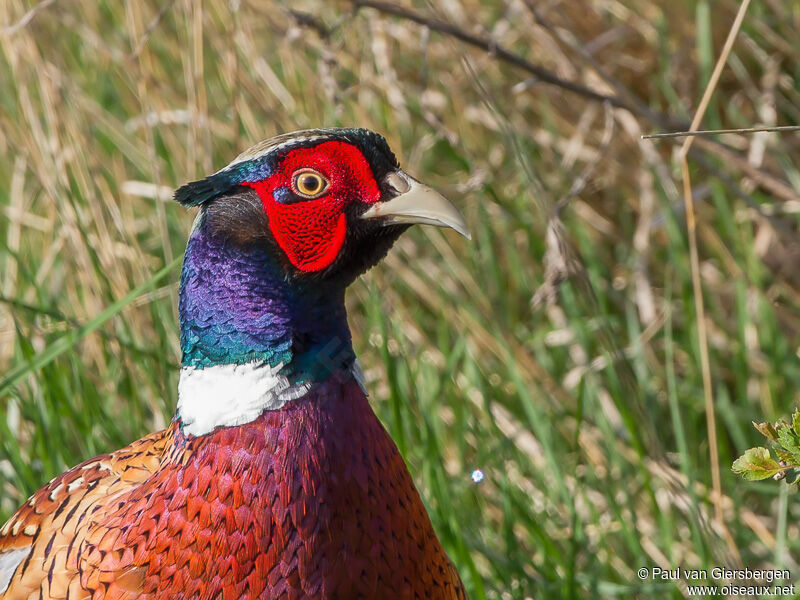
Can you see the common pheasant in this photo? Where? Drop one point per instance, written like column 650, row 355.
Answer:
column 275, row 479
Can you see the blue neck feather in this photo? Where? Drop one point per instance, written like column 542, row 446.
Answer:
column 237, row 305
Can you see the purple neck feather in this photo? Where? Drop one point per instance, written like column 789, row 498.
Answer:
column 238, row 305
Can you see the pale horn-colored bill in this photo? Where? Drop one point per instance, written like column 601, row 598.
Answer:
column 417, row 203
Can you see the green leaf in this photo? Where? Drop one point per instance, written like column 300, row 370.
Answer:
column 756, row 464
column 790, row 442
column 767, row 430
column 796, row 422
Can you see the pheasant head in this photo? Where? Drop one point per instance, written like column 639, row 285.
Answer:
column 332, row 201
column 281, row 232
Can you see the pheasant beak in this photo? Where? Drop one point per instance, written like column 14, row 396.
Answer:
column 415, row 202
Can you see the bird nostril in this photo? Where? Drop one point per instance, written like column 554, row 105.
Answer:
column 398, row 181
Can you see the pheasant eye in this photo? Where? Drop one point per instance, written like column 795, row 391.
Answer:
column 309, row 183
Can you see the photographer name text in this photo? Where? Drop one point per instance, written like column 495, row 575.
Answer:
column 716, row 573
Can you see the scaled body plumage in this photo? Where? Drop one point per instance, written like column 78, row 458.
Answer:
column 275, row 479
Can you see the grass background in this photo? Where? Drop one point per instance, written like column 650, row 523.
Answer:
column 584, row 409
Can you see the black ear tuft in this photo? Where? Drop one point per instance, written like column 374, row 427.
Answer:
column 199, row 192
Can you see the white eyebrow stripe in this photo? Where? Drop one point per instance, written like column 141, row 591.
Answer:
column 282, row 141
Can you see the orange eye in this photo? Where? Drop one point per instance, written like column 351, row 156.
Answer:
column 309, row 183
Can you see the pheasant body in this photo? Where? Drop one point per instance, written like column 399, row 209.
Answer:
column 310, row 501
column 275, row 479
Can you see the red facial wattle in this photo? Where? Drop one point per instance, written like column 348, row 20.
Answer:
column 312, row 232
